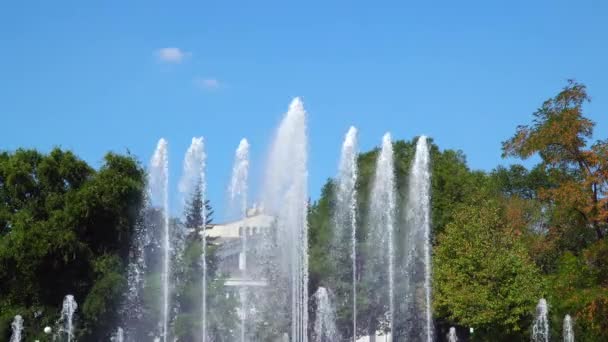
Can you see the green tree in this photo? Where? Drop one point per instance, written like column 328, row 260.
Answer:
column 483, row 276
column 194, row 209
column 65, row 228
column 221, row 312
column 517, row 181
column 453, row 183
column 577, row 288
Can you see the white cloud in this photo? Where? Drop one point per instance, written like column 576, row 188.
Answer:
column 207, row 83
column 172, row 55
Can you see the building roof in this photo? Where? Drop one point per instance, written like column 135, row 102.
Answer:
column 232, row 229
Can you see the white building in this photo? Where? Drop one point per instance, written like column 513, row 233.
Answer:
column 237, row 242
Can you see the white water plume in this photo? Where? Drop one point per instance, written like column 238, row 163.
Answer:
column 568, row 330
column 17, row 328
column 540, row 328
column 345, row 215
column 159, row 192
column 382, row 225
column 325, row 320
column 237, row 191
column 285, row 196
column 418, row 247
column 66, row 319
column 193, row 180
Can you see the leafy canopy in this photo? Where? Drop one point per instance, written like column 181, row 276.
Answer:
column 483, row 275
column 560, row 134
column 65, row 228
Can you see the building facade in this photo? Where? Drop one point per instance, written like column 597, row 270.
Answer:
column 239, row 244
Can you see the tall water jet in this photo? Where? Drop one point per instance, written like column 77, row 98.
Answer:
column 193, row 176
column 238, row 187
column 325, row 318
column 568, row 330
column 17, row 327
column 540, row 329
column 382, row 223
column 159, row 192
column 132, row 308
column 193, row 172
column 345, row 215
column 452, row 337
column 238, row 199
column 66, row 319
column 418, row 311
column 285, row 196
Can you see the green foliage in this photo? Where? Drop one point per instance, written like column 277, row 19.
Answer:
column 65, row 228
column 518, row 181
column 320, row 237
column 483, row 275
column 452, row 183
column 578, row 288
column 501, row 239
column 99, row 306
column 221, row 304
column 194, row 208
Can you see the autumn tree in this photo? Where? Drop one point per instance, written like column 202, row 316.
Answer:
column 560, row 134
column 571, row 251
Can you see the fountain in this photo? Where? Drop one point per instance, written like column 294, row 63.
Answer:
column 452, row 337
column 17, row 327
column 238, row 198
column 119, row 336
column 382, row 224
column 131, row 311
column 346, row 209
column 540, row 329
column 159, row 192
column 66, row 320
column 418, row 248
column 194, row 175
column 568, row 329
column 279, row 252
column 238, row 182
column 325, row 320
column 285, row 196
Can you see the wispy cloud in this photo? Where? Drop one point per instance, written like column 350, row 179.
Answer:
column 207, row 83
column 172, row 55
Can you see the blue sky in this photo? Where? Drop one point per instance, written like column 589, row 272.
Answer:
column 89, row 77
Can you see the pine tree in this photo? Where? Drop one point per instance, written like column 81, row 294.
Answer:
column 221, row 309
column 194, row 208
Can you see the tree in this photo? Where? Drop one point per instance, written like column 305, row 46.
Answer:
column 577, row 287
column 194, row 209
column 560, row 134
column 65, row 228
column 571, row 192
column 221, row 308
column 453, row 183
column 517, row 181
column 483, row 275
